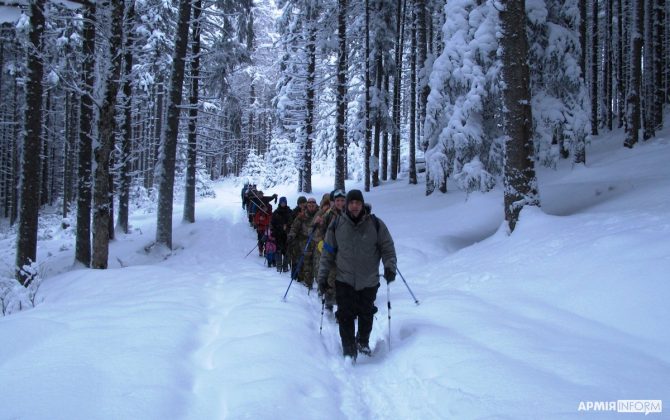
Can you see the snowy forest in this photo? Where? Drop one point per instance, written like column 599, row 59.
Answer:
column 110, row 103
column 512, row 153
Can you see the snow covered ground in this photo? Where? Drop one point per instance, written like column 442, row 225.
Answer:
column 572, row 308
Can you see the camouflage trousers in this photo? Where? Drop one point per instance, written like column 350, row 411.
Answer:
column 329, row 294
column 306, row 274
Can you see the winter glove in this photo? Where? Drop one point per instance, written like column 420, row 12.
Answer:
column 323, row 287
column 389, row 275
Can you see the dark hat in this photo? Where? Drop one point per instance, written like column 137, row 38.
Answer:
column 355, row 195
column 302, row 199
column 282, row 200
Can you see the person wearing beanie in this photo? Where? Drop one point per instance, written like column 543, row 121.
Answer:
column 300, row 234
column 327, row 290
column 320, row 230
column 261, row 224
column 355, row 244
column 294, row 252
column 282, row 218
column 355, row 197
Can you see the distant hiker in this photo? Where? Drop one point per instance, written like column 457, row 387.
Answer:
column 244, row 195
column 261, row 224
column 356, row 242
column 327, row 290
column 320, row 231
column 300, row 205
column 293, row 247
column 266, row 199
column 256, row 200
column 250, row 204
column 270, row 246
column 281, row 225
column 301, row 229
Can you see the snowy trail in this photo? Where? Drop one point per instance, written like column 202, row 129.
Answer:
column 353, row 391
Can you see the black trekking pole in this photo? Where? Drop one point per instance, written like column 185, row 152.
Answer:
column 323, row 306
column 298, row 266
column 252, row 250
column 388, row 305
column 410, row 290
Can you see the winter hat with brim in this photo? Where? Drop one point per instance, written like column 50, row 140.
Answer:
column 283, row 200
column 355, row 195
column 311, row 200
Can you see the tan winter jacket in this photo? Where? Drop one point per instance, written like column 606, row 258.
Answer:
column 357, row 250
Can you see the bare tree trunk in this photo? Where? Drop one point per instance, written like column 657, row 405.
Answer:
column 582, row 37
column 520, row 183
column 397, row 86
column 67, row 161
column 126, row 145
column 385, row 136
column 4, row 141
column 412, row 106
column 154, row 145
column 189, row 200
column 83, row 244
column 609, row 61
column 69, row 149
column 621, row 86
column 101, row 193
column 168, row 155
column 16, row 164
column 311, row 94
column 633, row 98
column 648, row 78
column 46, row 163
column 368, row 86
column 26, row 245
column 422, row 82
column 659, row 64
column 595, row 58
column 341, row 129
column 378, row 118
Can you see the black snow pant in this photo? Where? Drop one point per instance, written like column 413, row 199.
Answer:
column 352, row 304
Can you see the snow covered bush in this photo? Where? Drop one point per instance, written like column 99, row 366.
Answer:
column 281, row 168
column 14, row 297
column 254, row 169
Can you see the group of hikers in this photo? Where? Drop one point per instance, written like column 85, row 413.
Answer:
column 337, row 243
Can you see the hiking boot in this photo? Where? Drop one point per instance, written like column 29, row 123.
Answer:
column 364, row 349
column 349, row 351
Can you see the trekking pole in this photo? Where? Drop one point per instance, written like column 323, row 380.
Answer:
column 388, row 304
column 295, row 272
column 323, row 306
column 410, row 290
column 252, row 250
